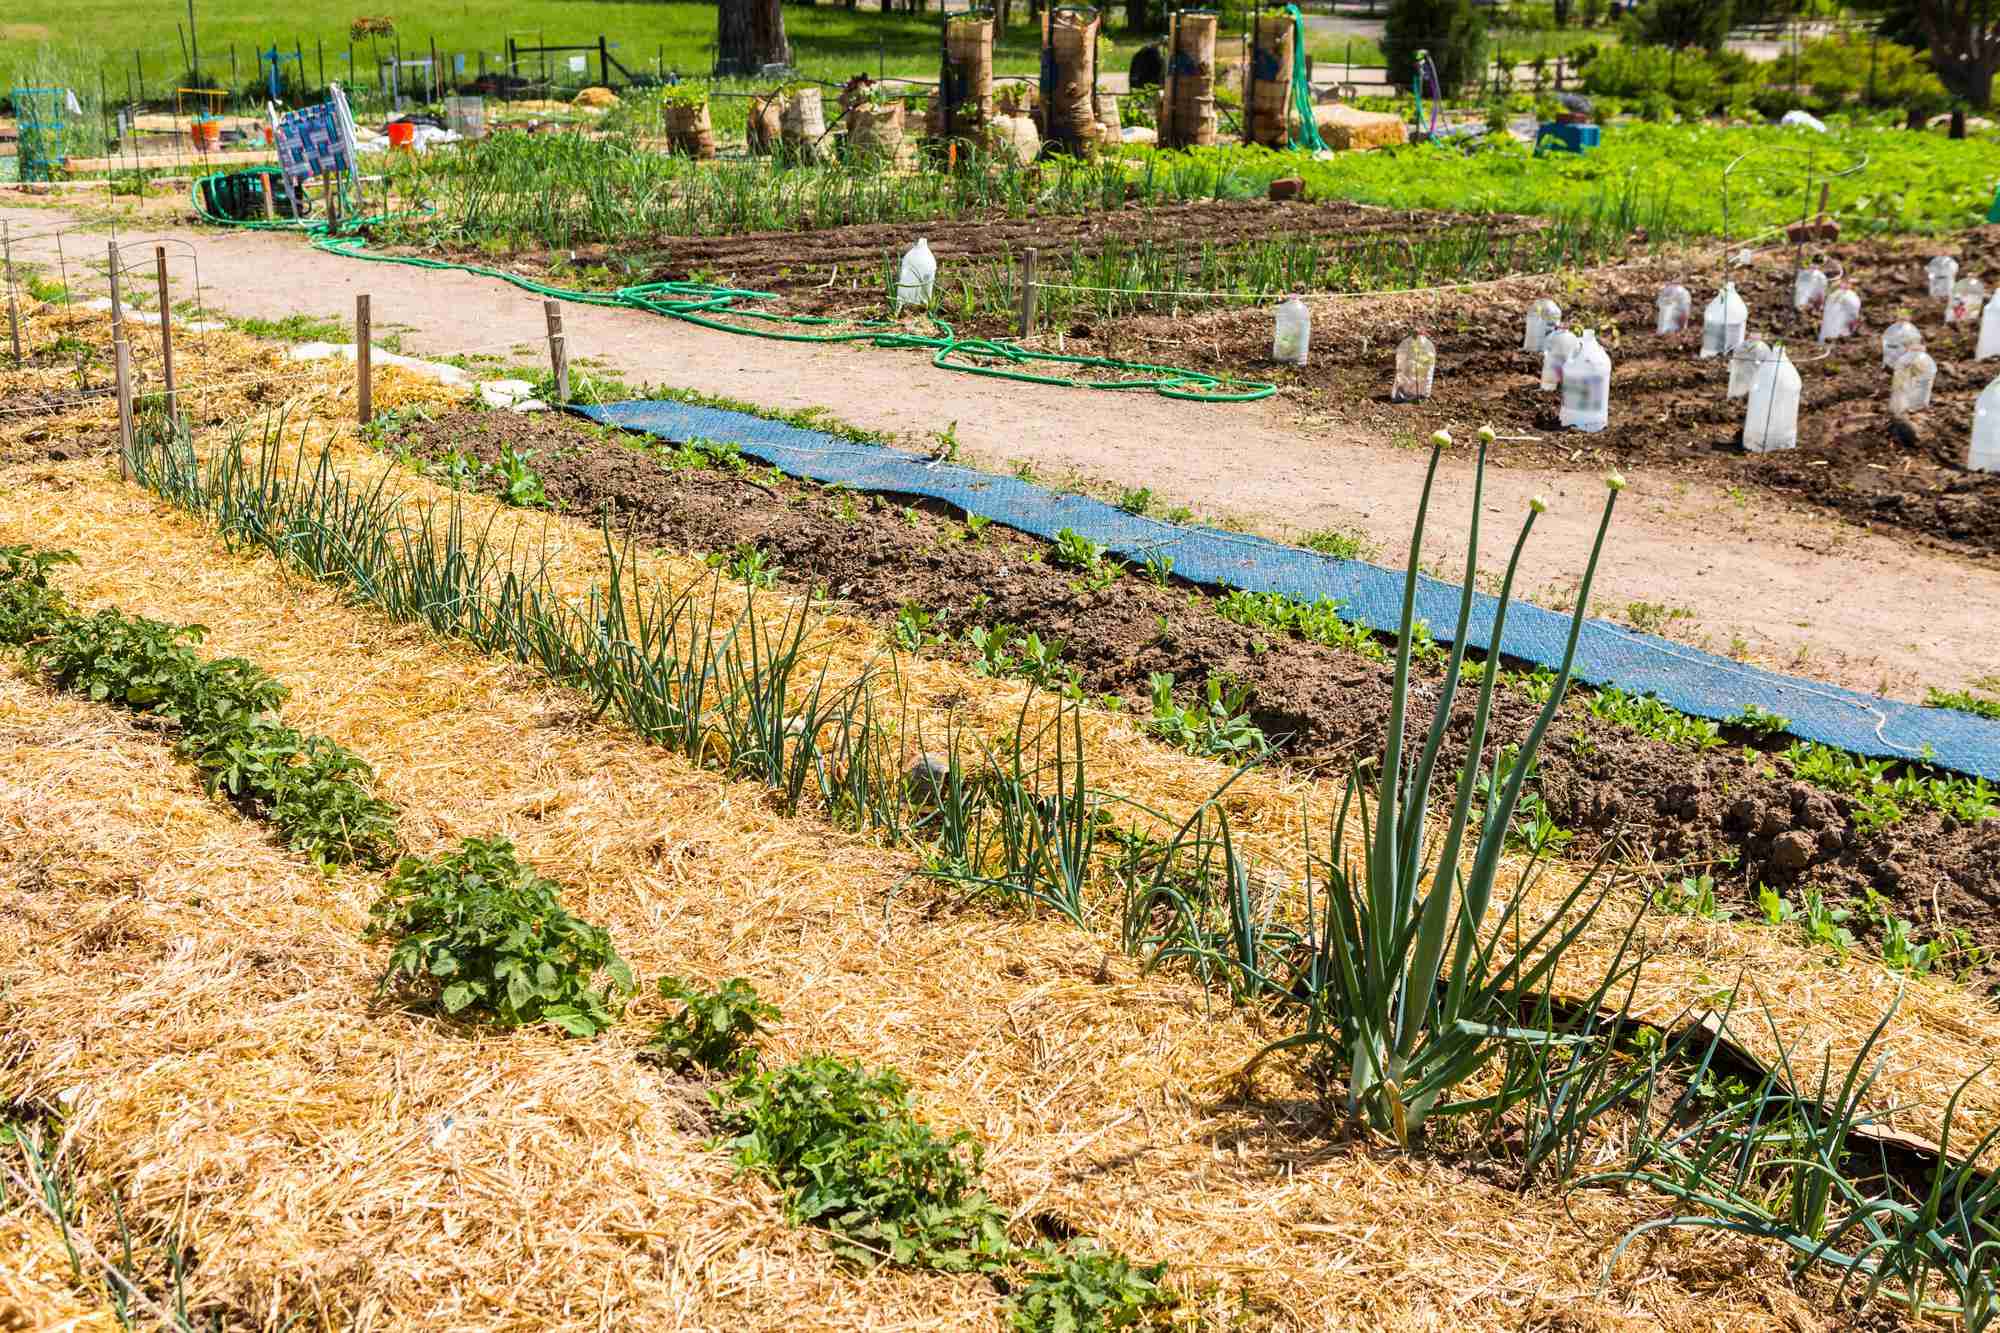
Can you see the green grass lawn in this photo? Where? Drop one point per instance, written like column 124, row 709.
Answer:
column 73, row 42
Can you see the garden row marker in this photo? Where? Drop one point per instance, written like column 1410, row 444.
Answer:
column 364, row 388
column 13, row 306
column 166, row 328
column 1028, row 292
column 558, row 350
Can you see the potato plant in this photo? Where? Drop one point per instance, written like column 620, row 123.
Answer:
column 485, row 938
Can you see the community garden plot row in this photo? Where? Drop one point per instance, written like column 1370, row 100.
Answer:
column 692, row 872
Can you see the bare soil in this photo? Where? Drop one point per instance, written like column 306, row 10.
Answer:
column 1670, row 810
column 1904, row 477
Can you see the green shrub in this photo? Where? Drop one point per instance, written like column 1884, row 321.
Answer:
column 485, row 937
column 852, row 1157
column 713, row 1030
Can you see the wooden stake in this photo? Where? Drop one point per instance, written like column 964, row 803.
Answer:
column 558, row 349
column 270, row 204
column 1028, row 292
column 13, row 303
column 364, row 383
column 122, row 353
column 117, row 301
column 166, row 331
column 332, row 205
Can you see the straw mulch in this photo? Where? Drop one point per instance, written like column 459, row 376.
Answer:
column 221, row 377
column 37, row 1289
column 231, row 1079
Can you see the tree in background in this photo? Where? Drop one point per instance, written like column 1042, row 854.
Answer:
column 1453, row 33
column 1963, row 37
column 1681, row 24
column 1964, row 40
column 750, row 34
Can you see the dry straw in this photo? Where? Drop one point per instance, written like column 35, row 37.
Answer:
column 200, row 999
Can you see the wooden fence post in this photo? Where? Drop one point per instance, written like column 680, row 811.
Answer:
column 166, row 331
column 364, row 383
column 122, row 355
column 1028, row 292
column 558, row 349
column 117, row 298
column 13, row 304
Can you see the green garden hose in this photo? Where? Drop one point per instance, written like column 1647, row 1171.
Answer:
column 1307, row 135
column 702, row 304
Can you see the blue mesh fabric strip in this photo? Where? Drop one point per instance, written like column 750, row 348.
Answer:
column 1687, row 678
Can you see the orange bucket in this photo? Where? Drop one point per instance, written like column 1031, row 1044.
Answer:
column 206, row 134
column 402, row 134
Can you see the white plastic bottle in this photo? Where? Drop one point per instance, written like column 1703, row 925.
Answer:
column 1984, row 455
column 1808, row 289
column 1771, row 420
column 1897, row 339
column 1942, row 273
column 1586, row 386
column 1967, row 296
column 1542, row 318
column 1910, row 382
column 918, row 273
column 1842, row 314
column 1674, row 305
column 1989, row 331
column 1291, row 333
column 1555, row 352
column 1722, row 324
column 1416, row 363
column 1744, row 364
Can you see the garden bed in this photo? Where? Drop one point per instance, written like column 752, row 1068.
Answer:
column 1668, row 409
column 1730, row 810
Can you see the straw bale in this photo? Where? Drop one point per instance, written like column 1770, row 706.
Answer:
column 236, row 1068
column 1346, row 129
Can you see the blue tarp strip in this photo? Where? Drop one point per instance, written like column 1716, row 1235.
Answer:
column 1686, row 678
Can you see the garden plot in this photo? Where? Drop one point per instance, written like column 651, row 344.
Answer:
column 1669, row 413
column 1683, row 797
column 1108, row 1098
column 1103, row 1096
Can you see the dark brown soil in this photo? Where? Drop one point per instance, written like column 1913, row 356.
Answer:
column 1669, row 409
column 843, row 270
column 1668, row 809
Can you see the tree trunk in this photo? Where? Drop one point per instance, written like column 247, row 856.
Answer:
column 750, row 34
column 1966, row 76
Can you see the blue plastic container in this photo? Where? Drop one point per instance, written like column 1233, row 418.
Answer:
column 1557, row 137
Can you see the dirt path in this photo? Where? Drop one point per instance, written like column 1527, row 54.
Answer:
column 1779, row 584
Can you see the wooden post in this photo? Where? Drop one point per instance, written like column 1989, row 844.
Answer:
column 558, row 349
column 117, row 302
column 1028, row 292
column 332, row 203
column 270, row 205
column 13, row 303
column 122, row 354
column 166, row 330
column 364, row 382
